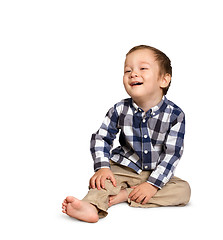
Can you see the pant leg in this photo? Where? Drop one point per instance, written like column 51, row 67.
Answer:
column 99, row 198
column 175, row 193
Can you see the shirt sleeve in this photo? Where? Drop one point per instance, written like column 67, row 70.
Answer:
column 173, row 150
column 102, row 141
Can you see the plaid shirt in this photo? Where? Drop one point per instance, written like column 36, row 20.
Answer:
column 151, row 140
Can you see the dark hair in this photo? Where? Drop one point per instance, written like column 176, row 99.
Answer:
column 162, row 59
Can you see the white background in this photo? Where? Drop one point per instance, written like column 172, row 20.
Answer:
column 61, row 68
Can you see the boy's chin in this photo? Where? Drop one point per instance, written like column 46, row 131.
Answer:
column 135, row 94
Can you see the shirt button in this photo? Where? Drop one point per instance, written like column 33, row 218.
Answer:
column 146, row 151
column 135, row 111
column 144, row 120
column 146, row 167
column 145, row 136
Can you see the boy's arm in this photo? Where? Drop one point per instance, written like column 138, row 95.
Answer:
column 173, row 150
column 102, row 140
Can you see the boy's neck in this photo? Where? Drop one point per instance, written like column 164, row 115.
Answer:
column 147, row 104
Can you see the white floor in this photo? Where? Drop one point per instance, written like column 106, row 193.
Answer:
column 189, row 222
column 36, row 214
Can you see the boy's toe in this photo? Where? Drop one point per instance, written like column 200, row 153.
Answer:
column 70, row 199
column 64, row 208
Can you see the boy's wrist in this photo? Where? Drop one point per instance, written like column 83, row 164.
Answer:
column 102, row 168
column 154, row 185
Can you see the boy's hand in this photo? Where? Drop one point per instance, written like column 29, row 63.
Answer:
column 143, row 192
column 98, row 179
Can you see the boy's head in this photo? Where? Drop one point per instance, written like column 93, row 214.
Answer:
column 147, row 72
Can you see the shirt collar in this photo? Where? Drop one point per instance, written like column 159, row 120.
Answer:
column 154, row 110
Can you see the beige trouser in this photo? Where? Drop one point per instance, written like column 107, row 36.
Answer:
column 175, row 193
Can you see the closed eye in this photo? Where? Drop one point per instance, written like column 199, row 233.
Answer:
column 143, row 68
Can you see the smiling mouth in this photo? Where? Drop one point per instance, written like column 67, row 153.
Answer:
column 136, row 83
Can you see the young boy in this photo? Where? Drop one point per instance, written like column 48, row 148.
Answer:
column 139, row 171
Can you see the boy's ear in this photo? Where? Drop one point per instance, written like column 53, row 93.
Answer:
column 165, row 80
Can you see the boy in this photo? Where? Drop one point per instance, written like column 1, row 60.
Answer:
column 139, row 171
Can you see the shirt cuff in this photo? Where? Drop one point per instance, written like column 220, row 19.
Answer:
column 102, row 163
column 158, row 181
column 154, row 184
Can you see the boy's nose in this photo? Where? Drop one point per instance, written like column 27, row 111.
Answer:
column 134, row 74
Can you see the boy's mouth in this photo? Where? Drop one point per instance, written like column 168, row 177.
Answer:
column 136, row 83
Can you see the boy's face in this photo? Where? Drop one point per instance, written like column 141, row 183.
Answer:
column 141, row 78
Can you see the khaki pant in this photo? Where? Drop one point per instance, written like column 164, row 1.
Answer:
column 175, row 193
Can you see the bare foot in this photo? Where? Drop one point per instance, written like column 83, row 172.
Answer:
column 80, row 210
column 121, row 197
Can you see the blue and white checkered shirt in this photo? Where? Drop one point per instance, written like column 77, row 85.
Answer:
column 151, row 140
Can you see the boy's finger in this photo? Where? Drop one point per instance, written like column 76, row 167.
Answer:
column 145, row 201
column 133, row 192
column 135, row 196
column 98, row 182
column 113, row 180
column 140, row 198
column 92, row 182
column 103, row 182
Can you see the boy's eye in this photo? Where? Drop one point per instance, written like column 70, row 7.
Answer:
column 144, row 68
column 127, row 71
